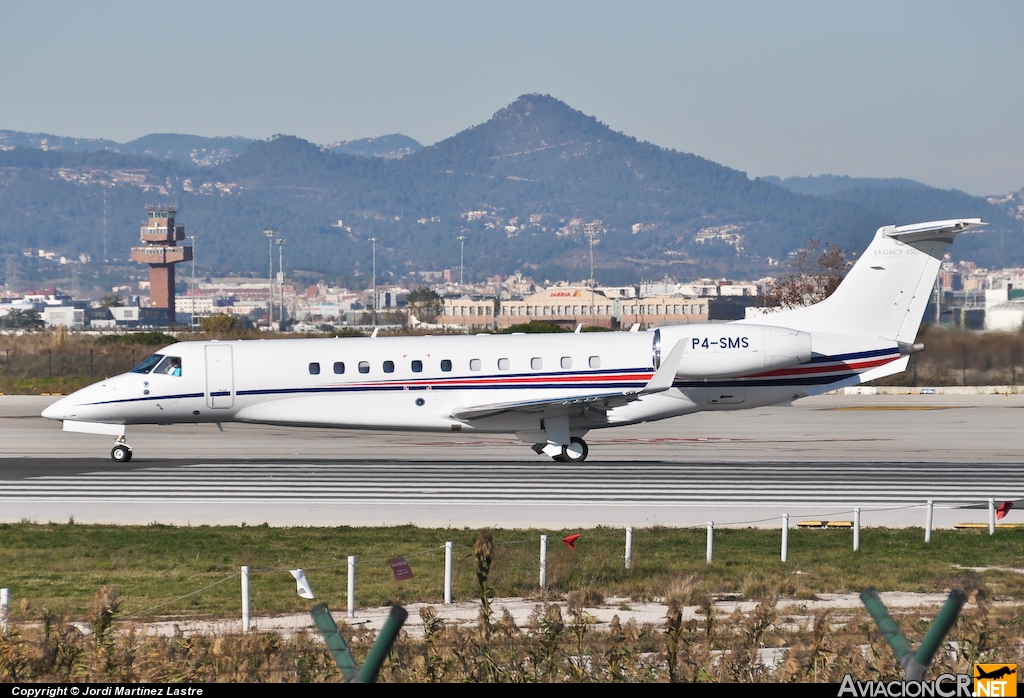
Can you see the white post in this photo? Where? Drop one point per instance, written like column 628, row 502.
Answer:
column 448, row 572
column 785, row 537
column 351, row 586
column 991, row 517
column 928, row 522
column 245, row 598
column 543, row 562
column 856, row 529
column 5, row 608
column 629, row 547
column 709, row 553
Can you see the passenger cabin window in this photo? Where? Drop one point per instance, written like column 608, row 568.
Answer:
column 364, row 366
column 536, row 363
column 170, row 366
column 314, row 368
column 474, row 364
column 566, row 362
column 503, row 364
column 595, row 362
column 389, row 367
column 446, row 365
column 339, row 367
column 147, row 365
column 417, row 366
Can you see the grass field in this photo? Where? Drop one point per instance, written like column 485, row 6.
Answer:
column 60, row 566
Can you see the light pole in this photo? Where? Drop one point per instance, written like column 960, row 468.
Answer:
column 192, row 282
column 280, row 273
column 592, row 229
column 271, row 233
column 462, row 260
column 373, row 281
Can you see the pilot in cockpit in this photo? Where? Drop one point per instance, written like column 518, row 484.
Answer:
column 170, row 366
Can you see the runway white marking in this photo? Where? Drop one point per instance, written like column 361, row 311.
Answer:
column 627, row 484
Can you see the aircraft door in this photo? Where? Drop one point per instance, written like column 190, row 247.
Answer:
column 220, row 376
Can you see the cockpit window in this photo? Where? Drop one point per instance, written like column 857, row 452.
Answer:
column 147, row 365
column 171, row 366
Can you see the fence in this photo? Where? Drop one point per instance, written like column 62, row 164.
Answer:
column 449, row 549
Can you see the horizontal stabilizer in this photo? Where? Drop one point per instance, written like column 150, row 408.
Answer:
column 943, row 231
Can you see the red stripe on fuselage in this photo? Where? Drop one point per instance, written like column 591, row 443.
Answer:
column 826, row 368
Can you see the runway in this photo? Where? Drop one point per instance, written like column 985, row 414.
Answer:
column 886, row 456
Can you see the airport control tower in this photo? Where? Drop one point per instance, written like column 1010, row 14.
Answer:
column 161, row 253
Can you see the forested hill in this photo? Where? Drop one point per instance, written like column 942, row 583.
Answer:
column 519, row 186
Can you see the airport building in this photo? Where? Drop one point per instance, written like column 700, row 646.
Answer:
column 161, row 252
column 570, row 306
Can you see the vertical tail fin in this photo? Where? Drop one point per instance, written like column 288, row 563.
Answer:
column 886, row 292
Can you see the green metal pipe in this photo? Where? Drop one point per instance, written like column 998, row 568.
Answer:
column 382, row 646
column 885, row 622
column 335, row 642
column 940, row 627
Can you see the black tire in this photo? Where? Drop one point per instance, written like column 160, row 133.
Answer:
column 121, row 454
column 577, row 446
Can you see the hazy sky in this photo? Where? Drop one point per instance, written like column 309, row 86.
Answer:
column 931, row 90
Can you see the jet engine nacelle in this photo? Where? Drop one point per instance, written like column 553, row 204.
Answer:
column 724, row 350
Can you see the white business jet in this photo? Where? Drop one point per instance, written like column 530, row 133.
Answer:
column 548, row 390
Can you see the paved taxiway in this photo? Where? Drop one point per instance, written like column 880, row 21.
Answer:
column 817, row 459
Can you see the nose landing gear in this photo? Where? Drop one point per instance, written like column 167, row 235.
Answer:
column 122, row 452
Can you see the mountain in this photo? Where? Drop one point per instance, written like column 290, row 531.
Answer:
column 46, row 141
column 198, row 150
column 824, row 185
column 519, row 186
column 394, row 145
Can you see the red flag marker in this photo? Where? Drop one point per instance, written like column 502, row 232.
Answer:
column 571, row 540
column 1003, row 508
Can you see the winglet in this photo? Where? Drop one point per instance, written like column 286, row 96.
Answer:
column 666, row 374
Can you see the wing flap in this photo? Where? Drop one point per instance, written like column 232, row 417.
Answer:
column 545, row 405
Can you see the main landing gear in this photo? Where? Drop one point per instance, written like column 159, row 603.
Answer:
column 575, row 452
column 122, row 452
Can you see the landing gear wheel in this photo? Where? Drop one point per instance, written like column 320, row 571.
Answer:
column 575, row 452
column 122, row 453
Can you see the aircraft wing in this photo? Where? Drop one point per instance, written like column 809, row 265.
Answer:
column 549, row 405
column 660, row 382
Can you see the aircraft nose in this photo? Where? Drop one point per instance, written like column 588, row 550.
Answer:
column 57, row 410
